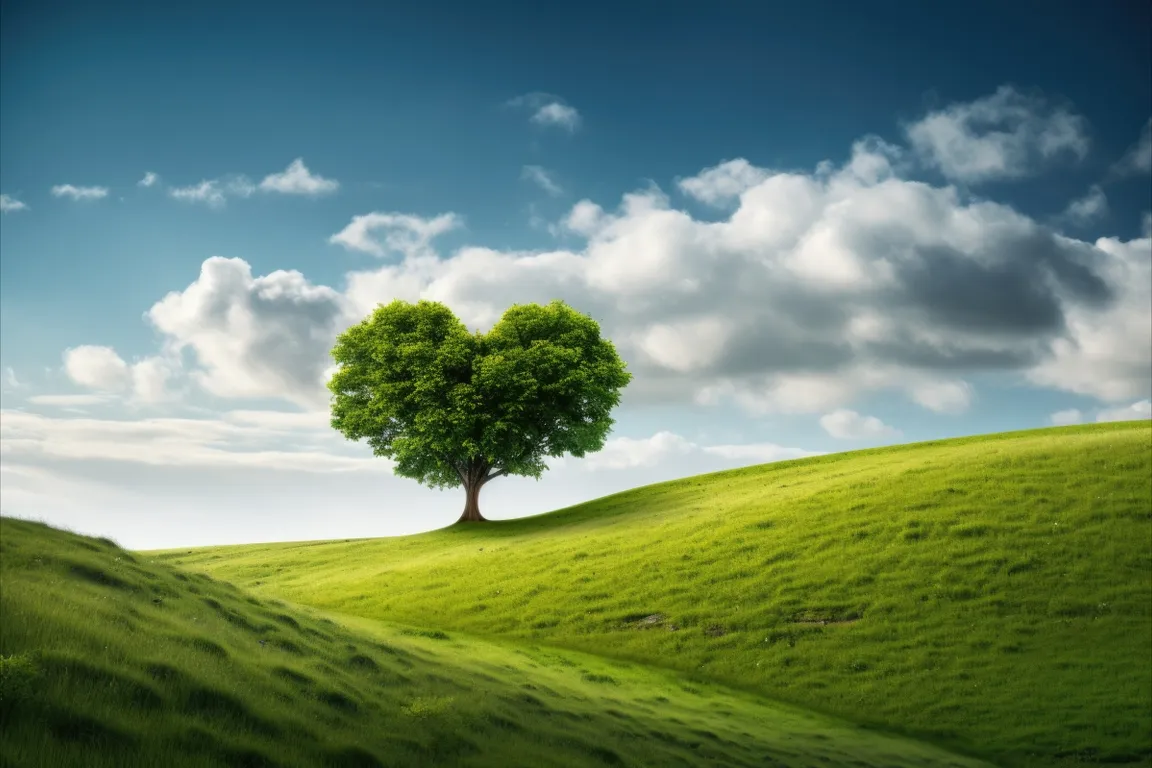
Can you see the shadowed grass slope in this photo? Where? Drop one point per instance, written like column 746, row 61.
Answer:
column 993, row 593
column 109, row 660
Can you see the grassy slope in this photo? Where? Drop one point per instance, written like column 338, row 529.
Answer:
column 995, row 593
column 114, row 661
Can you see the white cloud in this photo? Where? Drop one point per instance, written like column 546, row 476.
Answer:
column 549, row 110
column 1067, row 417
column 70, row 401
column 943, row 396
column 177, row 442
column 407, row 235
column 1106, row 351
column 620, row 453
column 817, row 288
column 542, row 178
column 79, row 193
column 10, row 378
column 1087, row 209
column 844, row 424
column 296, row 179
column 723, row 183
column 1138, row 410
column 1138, row 158
column 150, row 179
column 102, row 369
column 97, row 368
column 557, row 114
column 1006, row 135
column 259, row 337
column 9, row 204
column 214, row 192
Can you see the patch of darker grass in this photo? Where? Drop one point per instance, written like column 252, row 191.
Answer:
column 360, row 661
column 290, row 674
column 70, row 726
column 284, row 618
column 337, row 701
column 81, row 673
column 432, row 634
column 213, row 704
column 290, row 647
column 352, row 757
column 602, row 679
column 204, row 645
column 97, row 576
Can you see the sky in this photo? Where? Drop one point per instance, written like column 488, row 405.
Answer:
column 807, row 228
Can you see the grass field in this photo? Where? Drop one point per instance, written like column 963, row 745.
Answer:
column 936, row 604
column 113, row 661
column 992, row 595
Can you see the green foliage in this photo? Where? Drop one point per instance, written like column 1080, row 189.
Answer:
column 452, row 407
column 121, row 686
column 18, row 675
column 991, row 593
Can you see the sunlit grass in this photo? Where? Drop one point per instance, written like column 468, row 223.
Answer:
column 992, row 594
column 111, row 660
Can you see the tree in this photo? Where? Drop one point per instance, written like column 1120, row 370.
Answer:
column 451, row 407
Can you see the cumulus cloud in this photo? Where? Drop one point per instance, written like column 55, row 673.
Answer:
column 9, row 204
column 1106, row 351
column 296, row 179
column 844, row 424
column 1067, row 417
column 549, row 110
column 79, row 193
column 214, row 192
column 102, row 369
column 630, row 453
column 97, row 367
column 254, row 337
column 1138, row 158
column 1006, row 135
column 541, row 178
column 1087, row 209
column 150, row 179
column 225, row 442
column 723, row 183
column 1138, row 410
column 381, row 234
column 816, row 288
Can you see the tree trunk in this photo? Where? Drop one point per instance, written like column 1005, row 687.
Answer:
column 472, row 505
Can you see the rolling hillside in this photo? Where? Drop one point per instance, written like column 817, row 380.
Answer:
column 110, row 660
column 990, row 594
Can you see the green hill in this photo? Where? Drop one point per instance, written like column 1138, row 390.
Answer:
column 990, row 594
column 110, row 660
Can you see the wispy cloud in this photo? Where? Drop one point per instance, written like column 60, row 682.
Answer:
column 214, row 192
column 402, row 233
column 9, row 204
column 844, row 424
column 542, row 178
column 70, row 401
column 150, row 179
column 79, row 193
column 1067, row 417
column 1138, row 158
column 296, row 179
column 1005, row 135
column 549, row 110
column 1086, row 209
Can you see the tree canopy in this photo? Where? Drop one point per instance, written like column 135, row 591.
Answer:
column 451, row 407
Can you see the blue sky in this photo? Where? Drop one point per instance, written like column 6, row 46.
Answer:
column 808, row 229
